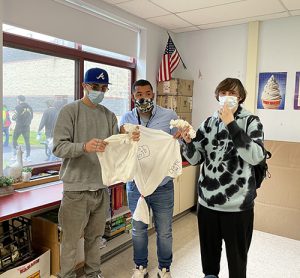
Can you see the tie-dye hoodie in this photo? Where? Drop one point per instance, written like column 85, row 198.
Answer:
column 226, row 181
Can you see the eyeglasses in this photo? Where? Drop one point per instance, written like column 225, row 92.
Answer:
column 99, row 87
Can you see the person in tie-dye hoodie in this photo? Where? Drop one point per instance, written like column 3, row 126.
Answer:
column 228, row 144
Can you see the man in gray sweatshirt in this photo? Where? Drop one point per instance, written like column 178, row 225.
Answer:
column 79, row 133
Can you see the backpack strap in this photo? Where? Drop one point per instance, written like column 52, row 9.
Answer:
column 250, row 119
column 267, row 154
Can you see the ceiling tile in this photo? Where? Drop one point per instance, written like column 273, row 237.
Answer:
column 242, row 21
column 113, row 2
column 169, row 22
column 186, row 29
column 291, row 4
column 239, row 10
column 296, row 12
column 142, row 8
column 182, row 6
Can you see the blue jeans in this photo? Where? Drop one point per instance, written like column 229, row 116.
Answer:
column 161, row 201
column 5, row 130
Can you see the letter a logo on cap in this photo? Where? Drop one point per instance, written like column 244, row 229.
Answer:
column 101, row 76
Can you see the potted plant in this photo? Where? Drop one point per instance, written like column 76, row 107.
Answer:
column 6, row 185
column 26, row 174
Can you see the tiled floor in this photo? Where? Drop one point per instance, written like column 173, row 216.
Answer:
column 270, row 256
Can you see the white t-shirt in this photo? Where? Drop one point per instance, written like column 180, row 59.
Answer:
column 148, row 161
column 118, row 161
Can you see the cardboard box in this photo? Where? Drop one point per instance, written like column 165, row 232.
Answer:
column 185, row 116
column 47, row 233
column 37, row 268
column 175, row 87
column 277, row 206
column 281, row 221
column 180, row 104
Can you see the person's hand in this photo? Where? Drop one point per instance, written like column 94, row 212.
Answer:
column 122, row 129
column 226, row 114
column 185, row 134
column 177, row 135
column 95, row 145
column 135, row 135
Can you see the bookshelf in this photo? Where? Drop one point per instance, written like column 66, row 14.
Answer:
column 119, row 217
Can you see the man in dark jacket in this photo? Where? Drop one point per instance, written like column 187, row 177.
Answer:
column 23, row 117
column 48, row 120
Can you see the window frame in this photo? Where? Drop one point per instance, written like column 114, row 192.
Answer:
column 78, row 56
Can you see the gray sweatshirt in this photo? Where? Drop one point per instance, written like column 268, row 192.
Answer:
column 77, row 124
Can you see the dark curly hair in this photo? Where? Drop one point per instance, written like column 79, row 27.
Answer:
column 231, row 85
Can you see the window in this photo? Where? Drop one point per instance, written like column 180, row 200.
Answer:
column 34, row 35
column 39, row 77
column 35, row 87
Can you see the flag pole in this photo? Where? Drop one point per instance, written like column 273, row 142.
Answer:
column 178, row 53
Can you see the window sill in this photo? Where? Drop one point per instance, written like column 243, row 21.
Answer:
column 20, row 185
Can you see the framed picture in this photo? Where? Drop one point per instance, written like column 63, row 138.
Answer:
column 297, row 96
column 271, row 90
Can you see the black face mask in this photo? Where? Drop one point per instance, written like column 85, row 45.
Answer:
column 144, row 104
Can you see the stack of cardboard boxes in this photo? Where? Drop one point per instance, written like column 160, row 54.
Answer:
column 176, row 94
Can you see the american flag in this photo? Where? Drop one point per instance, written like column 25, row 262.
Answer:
column 170, row 61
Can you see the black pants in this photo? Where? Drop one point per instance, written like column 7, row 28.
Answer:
column 25, row 131
column 235, row 228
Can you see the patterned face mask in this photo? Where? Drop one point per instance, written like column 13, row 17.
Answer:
column 144, row 104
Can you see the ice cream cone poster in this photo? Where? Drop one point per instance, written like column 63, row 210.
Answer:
column 297, row 93
column 271, row 90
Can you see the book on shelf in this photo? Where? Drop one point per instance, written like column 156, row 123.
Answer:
column 118, row 196
column 119, row 217
column 109, row 233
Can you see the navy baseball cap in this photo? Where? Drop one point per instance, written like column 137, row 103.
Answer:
column 96, row 75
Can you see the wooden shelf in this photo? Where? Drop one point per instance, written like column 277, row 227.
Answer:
column 29, row 201
column 20, row 185
column 119, row 212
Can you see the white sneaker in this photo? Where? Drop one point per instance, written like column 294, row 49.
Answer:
column 140, row 272
column 164, row 273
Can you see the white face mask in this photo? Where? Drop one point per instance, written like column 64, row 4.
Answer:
column 95, row 96
column 231, row 101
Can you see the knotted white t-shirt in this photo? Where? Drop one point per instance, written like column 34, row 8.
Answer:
column 118, row 161
column 155, row 156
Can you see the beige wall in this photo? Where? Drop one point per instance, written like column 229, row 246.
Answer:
column 277, row 208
